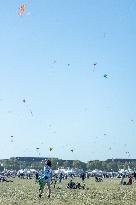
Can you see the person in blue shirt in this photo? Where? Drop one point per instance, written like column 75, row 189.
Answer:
column 46, row 178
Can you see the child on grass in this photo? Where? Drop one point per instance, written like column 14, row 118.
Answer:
column 46, row 178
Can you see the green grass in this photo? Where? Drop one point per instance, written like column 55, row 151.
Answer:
column 25, row 192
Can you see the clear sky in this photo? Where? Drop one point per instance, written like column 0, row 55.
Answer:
column 47, row 57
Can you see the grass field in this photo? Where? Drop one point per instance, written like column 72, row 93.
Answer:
column 25, row 192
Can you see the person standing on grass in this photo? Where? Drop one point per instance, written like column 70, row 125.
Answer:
column 60, row 177
column 122, row 179
column 46, row 179
column 83, row 176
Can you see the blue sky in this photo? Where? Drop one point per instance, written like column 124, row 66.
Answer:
column 73, row 107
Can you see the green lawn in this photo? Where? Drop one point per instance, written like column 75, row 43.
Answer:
column 25, row 192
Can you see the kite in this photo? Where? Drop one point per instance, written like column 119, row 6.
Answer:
column 31, row 112
column 50, row 149
column 37, row 148
column 24, row 101
column 72, row 150
column 11, row 138
column 38, row 152
column 22, row 9
column 128, row 154
column 94, row 65
column 105, row 76
column 68, row 64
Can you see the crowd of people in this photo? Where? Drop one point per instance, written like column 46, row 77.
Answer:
column 46, row 177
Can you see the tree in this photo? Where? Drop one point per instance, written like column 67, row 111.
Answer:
column 55, row 163
column 79, row 165
column 67, row 163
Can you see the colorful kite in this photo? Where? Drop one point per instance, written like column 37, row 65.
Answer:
column 22, row 9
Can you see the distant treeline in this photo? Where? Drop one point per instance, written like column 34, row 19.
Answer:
column 37, row 163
